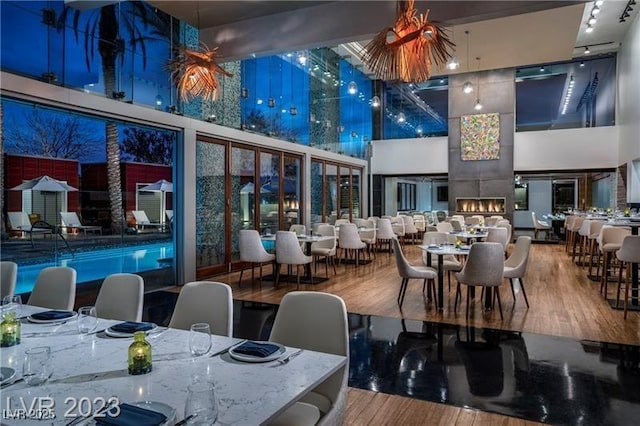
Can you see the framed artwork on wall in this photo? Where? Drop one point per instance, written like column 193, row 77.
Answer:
column 480, row 137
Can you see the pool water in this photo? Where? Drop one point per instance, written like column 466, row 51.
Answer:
column 97, row 264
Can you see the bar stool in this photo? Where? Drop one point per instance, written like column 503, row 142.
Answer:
column 568, row 224
column 629, row 253
column 583, row 236
column 611, row 241
column 594, row 235
column 575, row 228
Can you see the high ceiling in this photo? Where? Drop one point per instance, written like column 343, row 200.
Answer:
column 502, row 33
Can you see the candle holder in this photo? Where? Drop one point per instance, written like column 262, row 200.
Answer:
column 139, row 355
column 10, row 329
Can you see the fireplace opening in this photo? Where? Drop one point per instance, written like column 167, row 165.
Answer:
column 484, row 205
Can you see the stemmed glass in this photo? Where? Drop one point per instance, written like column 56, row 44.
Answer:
column 199, row 339
column 15, row 302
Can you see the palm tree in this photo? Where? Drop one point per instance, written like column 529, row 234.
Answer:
column 102, row 27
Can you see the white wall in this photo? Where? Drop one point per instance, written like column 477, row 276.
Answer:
column 628, row 107
column 409, row 156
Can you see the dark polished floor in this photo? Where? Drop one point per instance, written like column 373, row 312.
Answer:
column 531, row 376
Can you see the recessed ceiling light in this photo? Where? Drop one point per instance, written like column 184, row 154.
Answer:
column 599, row 3
column 586, row 50
column 592, row 20
column 581, row 64
column 541, row 69
column 589, row 29
column 595, row 10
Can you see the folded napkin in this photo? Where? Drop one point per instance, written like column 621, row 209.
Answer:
column 52, row 315
column 132, row 327
column 433, row 246
column 130, row 415
column 257, row 349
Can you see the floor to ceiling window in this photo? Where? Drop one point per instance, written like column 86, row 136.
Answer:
column 335, row 191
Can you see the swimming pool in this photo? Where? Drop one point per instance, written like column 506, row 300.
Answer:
column 97, row 264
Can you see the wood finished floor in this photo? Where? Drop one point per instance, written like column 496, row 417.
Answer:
column 564, row 302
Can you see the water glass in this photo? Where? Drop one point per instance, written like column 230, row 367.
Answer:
column 15, row 302
column 87, row 319
column 200, row 339
column 37, row 369
column 201, row 402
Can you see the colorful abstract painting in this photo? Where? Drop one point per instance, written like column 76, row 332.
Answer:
column 480, row 137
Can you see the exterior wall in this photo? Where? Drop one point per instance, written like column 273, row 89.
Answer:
column 19, row 168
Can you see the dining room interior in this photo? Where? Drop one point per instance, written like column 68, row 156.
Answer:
column 297, row 170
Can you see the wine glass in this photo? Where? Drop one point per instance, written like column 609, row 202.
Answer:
column 199, row 339
column 13, row 301
column 201, row 403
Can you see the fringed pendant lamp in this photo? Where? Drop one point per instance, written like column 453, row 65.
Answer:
column 195, row 73
column 406, row 51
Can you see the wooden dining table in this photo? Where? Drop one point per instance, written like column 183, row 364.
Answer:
column 88, row 369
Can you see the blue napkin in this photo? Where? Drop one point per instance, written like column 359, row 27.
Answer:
column 257, row 349
column 52, row 315
column 132, row 327
column 131, row 415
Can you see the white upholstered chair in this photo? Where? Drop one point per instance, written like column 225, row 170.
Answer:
column 252, row 251
column 325, row 248
column 407, row 271
column 449, row 261
column 204, row 301
column 369, row 236
column 384, row 233
column 444, row 227
column 484, row 267
column 121, row 297
column 456, row 225
column 410, row 229
column 8, row 278
column 288, row 252
column 498, row 235
column 298, row 229
column 340, row 222
column 349, row 240
column 628, row 254
column 539, row 225
column 515, row 267
column 55, row 288
column 315, row 321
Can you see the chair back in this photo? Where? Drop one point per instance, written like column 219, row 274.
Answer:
column 348, row 237
column 520, row 256
column 444, row 227
column 374, row 219
column 298, row 229
column 385, row 230
column 473, row 220
column 70, row 219
column 121, row 297
column 568, row 222
column 317, row 321
column 613, row 234
column 8, row 278
column 403, row 265
column 55, row 288
column 409, row 225
column 438, row 238
column 325, row 230
column 204, row 301
column 630, row 249
column 596, row 227
column 340, row 222
column 584, row 228
column 420, row 222
column 456, row 225
column 288, row 249
column 484, row 265
column 251, row 248
column 506, row 225
column 498, row 235
column 457, row 217
column 441, row 216
column 577, row 223
column 370, row 234
column 490, row 221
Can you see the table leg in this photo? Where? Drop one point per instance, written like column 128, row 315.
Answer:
column 440, row 283
column 307, row 267
column 634, row 275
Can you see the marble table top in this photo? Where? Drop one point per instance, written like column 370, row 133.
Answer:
column 95, row 366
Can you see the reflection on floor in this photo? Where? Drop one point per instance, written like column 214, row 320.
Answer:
column 531, row 376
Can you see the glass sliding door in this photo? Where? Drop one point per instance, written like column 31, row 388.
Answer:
column 269, row 192
column 345, row 193
column 243, row 183
column 211, row 207
column 356, row 183
column 331, row 193
column 317, row 179
column 292, row 182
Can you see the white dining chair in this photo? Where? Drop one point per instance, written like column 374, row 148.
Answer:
column 8, row 278
column 498, row 235
column 444, row 227
column 349, row 241
column 407, row 271
column 410, row 229
column 539, row 225
column 121, row 297
column 252, row 251
column 298, row 229
column 515, row 267
column 55, row 288
column 384, row 233
column 368, row 235
column 484, row 267
column 315, row 321
column 288, row 252
column 204, row 301
column 325, row 248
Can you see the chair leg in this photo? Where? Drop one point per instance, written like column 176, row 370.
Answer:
column 403, row 289
column 619, row 284
column 626, row 288
column 240, row 280
column 524, row 293
column 513, row 292
column 260, row 275
column 432, row 286
column 278, row 266
column 467, row 311
column 333, row 262
column 497, row 292
column 297, row 277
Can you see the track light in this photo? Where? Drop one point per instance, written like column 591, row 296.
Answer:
column 586, row 50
